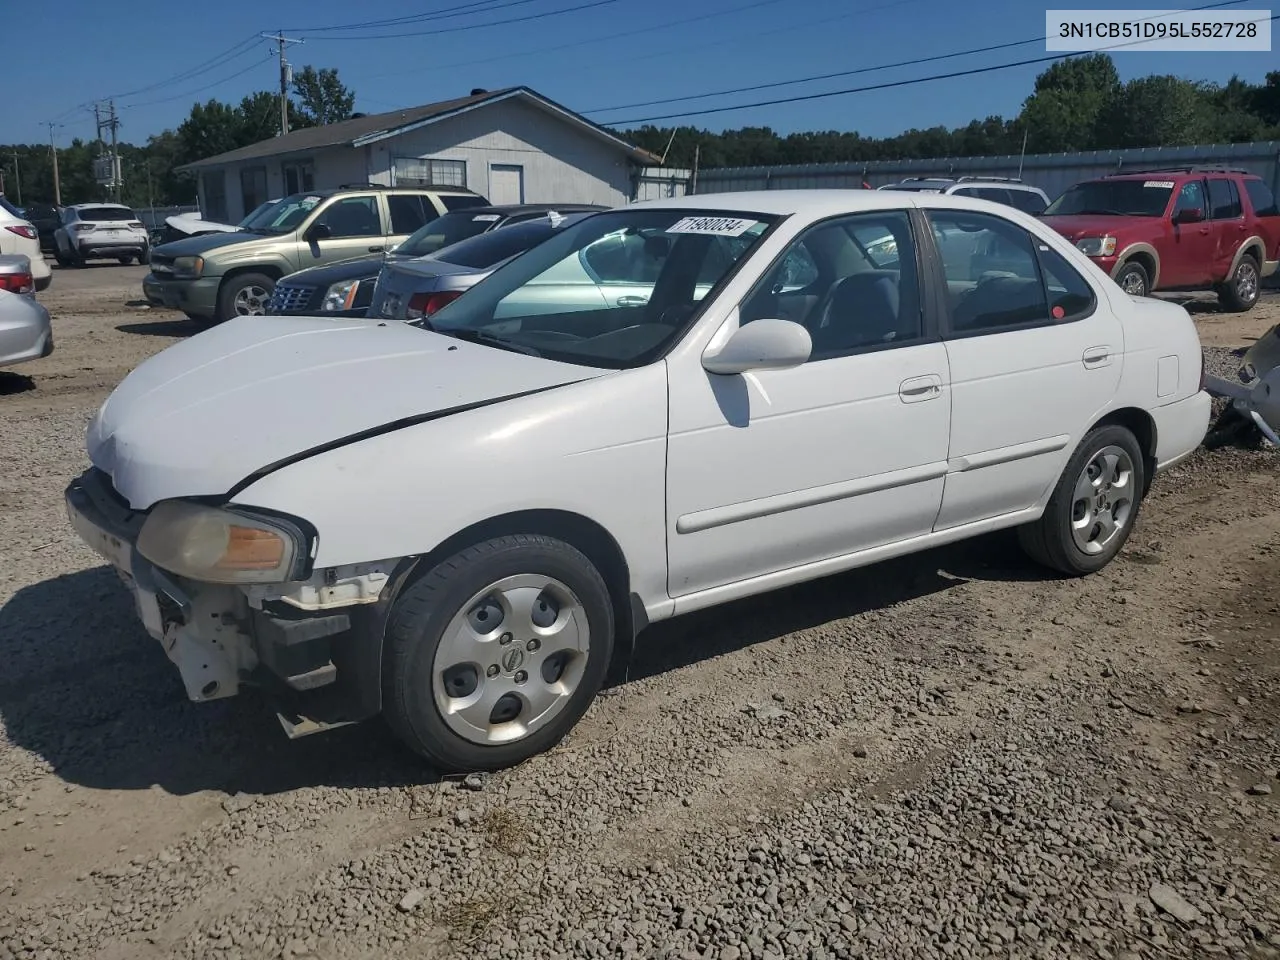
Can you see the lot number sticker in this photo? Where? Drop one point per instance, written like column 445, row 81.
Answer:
column 1159, row 183
column 715, row 226
column 485, row 218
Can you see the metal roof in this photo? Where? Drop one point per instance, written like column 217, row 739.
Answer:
column 378, row 126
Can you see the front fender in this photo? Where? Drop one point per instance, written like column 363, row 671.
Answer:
column 596, row 448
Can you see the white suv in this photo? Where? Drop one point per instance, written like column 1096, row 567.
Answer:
column 1006, row 190
column 100, row 231
column 18, row 235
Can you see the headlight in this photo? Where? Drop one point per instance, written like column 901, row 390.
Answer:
column 340, row 296
column 1097, row 246
column 189, row 267
column 217, row 545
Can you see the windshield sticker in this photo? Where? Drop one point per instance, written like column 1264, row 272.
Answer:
column 485, row 217
column 715, row 226
column 1163, row 184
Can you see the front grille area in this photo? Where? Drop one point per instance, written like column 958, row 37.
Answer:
column 290, row 298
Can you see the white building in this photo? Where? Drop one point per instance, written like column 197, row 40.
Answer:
column 513, row 146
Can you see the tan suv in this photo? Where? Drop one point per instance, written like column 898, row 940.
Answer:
column 222, row 275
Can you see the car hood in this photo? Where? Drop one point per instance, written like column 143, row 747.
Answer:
column 337, row 272
column 194, row 246
column 253, row 393
column 1094, row 225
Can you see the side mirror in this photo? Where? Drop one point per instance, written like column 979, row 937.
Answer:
column 761, row 345
column 317, row 231
column 1188, row 215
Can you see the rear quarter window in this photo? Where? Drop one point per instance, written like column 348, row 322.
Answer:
column 1261, row 199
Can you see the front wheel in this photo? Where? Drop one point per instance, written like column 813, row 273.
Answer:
column 1094, row 506
column 496, row 653
column 1242, row 289
column 1133, row 279
column 245, row 295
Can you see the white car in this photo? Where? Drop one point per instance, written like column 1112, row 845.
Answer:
column 19, row 237
column 458, row 525
column 101, row 231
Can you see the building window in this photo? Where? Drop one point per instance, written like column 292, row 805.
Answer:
column 299, row 177
column 215, row 195
column 253, row 188
column 426, row 172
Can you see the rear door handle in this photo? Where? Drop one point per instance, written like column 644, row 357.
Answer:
column 375, row 249
column 918, row 389
column 1096, row 357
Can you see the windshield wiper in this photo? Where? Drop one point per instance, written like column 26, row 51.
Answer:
column 479, row 336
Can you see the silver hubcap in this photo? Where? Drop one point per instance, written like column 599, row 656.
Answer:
column 1103, row 501
column 510, row 659
column 1246, row 282
column 252, row 301
column 1133, row 285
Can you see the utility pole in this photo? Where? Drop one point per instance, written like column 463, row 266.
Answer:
column 286, row 75
column 17, row 178
column 111, row 123
column 53, row 152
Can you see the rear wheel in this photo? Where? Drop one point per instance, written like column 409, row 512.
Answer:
column 1094, row 506
column 496, row 653
column 1241, row 291
column 1133, row 279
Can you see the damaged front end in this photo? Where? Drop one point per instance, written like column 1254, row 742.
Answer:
column 310, row 639
column 1252, row 413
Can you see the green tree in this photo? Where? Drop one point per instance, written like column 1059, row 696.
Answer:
column 1158, row 111
column 322, row 97
column 1069, row 97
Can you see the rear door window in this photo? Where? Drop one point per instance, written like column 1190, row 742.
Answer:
column 1224, row 199
column 454, row 201
column 409, row 211
column 1028, row 201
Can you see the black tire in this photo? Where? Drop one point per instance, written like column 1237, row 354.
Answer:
column 1049, row 541
column 1241, row 291
column 421, row 614
column 125, row 261
column 1134, row 274
column 231, row 289
column 62, row 258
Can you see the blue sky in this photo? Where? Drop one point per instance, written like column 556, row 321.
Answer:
column 103, row 50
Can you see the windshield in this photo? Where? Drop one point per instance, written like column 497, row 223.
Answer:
column 491, row 248
column 97, row 214
column 612, row 290
column 260, row 208
column 1117, row 198
column 445, row 231
column 10, row 208
column 283, row 216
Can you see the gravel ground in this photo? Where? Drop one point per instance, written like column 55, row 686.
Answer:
column 948, row 755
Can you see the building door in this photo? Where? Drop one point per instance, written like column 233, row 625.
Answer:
column 506, row 183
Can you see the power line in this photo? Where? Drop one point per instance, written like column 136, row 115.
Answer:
column 231, row 53
column 471, row 26
column 199, row 90
column 861, row 70
column 487, row 6
column 541, row 50
column 882, row 86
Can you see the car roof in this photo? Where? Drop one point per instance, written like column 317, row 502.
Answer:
column 808, row 202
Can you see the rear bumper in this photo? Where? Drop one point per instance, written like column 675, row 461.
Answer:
column 89, row 249
column 1180, row 428
column 26, row 335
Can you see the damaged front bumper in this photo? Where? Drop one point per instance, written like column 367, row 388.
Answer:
column 1255, row 396
column 315, row 649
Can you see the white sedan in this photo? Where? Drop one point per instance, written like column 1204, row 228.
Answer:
column 460, row 523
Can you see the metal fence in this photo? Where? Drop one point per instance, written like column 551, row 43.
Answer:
column 660, row 183
column 1051, row 172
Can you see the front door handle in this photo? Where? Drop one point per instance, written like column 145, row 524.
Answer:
column 375, row 249
column 632, row 301
column 1096, row 357
column 920, row 388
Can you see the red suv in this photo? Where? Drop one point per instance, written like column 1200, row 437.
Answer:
column 1185, row 229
